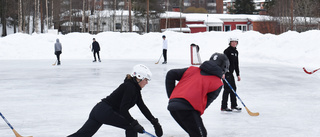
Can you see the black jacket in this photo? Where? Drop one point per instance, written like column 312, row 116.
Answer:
column 232, row 55
column 95, row 46
column 207, row 68
column 125, row 97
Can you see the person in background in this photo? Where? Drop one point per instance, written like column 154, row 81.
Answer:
column 232, row 54
column 114, row 109
column 58, row 50
column 95, row 49
column 164, row 49
column 198, row 87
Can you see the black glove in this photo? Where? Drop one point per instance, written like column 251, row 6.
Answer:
column 137, row 127
column 157, row 127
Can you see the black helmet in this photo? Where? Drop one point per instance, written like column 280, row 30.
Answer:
column 221, row 60
column 163, row 36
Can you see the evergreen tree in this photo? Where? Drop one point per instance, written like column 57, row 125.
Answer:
column 243, row 7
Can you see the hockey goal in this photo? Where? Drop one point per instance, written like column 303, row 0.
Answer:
column 195, row 56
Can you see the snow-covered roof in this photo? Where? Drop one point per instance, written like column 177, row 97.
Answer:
column 177, row 29
column 253, row 1
column 214, row 18
column 171, row 14
column 202, row 17
column 196, row 25
column 242, row 16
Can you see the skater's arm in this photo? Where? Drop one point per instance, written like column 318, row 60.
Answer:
column 144, row 109
column 212, row 96
column 172, row 76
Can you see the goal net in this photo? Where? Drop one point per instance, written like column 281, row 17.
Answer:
column 195, row 56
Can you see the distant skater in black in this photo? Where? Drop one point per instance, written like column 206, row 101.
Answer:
column 95, row 49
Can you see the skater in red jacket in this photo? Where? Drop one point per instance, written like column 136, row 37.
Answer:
column 198, row 87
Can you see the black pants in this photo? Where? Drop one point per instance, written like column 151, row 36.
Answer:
column 228, row 91
column 57, row 53
column 190, row 121
column 94, row 55
column 164, row 52
column 102, row 113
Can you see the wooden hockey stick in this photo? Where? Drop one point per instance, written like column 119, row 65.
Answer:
column 54, row 63
column 159, row 59
column 311, row 71
column 249, row 112
column 14, row 131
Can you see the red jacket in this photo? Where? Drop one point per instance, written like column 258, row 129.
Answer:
column 194, row 88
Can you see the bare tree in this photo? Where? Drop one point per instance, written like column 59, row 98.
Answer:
column 3, row 17
column 305, row 9
column 300, row 17
column 70, row 15
column 83, row 16
column 47, row 14
column 36, row 16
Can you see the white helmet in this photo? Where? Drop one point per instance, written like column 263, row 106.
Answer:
column 141, row 72
column 233, row 39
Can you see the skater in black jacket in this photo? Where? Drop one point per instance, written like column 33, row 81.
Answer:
column 95, row 49
column 114, row 109
column 232, row 54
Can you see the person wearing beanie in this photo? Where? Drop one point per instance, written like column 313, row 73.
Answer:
column 197, row 88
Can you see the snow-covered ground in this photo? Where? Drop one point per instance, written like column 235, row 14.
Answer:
column 42, row 100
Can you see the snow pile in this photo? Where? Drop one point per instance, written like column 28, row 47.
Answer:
column 290, row 47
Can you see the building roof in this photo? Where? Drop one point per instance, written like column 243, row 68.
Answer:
column 202, row 17
column 214, row 18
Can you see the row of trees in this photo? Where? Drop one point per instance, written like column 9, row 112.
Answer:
column 298, row 15
column 29, row 15
column 37, row 16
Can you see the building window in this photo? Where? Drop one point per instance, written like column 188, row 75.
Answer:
column 242, row 27
column 118, row 25
column 227, row 28
column 214, row 28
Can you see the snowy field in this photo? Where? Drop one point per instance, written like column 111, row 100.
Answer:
column 42, row 100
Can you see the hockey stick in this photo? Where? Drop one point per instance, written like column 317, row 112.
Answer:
column 311, row 71
column 249, row 112
column 159, row 59
column 54, row 63
column 149, row 133
column 14, row 131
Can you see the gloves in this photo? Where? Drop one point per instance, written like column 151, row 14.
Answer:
column 157, row 127
column 136, row 126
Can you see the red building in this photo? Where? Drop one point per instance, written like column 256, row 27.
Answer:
column 220, row 22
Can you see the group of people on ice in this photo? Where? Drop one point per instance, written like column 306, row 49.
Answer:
column 187, row 100
column 95, row 48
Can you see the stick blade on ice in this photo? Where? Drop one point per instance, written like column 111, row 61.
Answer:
column 18, row 135
column 311, row 71
column 252, row 113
